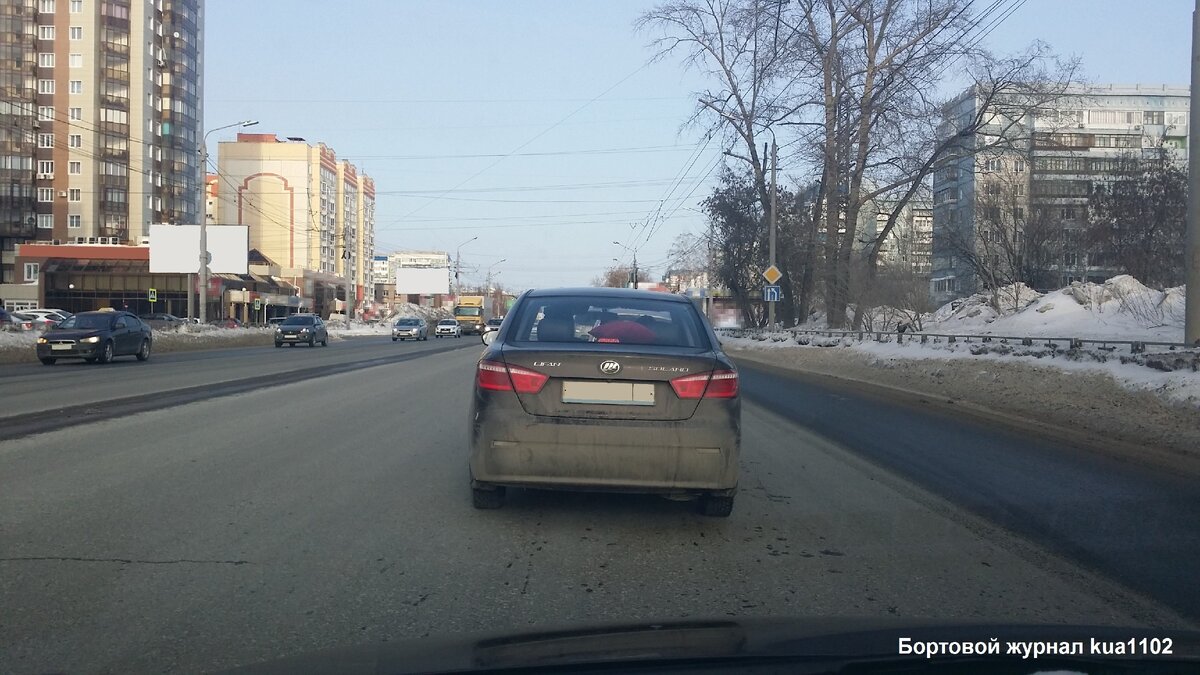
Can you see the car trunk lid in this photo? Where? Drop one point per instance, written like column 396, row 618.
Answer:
column 626, row 383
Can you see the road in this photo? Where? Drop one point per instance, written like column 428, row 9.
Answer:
column 333, row 510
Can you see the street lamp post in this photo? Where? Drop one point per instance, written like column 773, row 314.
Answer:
column 458, row 267
column 635, row 265
column 205, row 257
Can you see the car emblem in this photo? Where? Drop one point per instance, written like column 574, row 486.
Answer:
column 610, row 367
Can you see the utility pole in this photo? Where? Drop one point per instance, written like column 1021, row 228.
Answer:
column 1191, row 330
column 635, row 269
column 774, row 167
column 205, row 257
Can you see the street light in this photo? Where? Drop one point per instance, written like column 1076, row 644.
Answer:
column 489, row 273
column 635, row 265
column 205, row 256
column 458, row 266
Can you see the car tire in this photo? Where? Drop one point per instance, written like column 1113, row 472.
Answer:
column 278, row 345
column 143, row 353
column 47, row 361
column 106, row 353
column 325, row 342
column 717, row 506
column 312, row 342
column 394, row 339
column 89, row 359
column 492, row 498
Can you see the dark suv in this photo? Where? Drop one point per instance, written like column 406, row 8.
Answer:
column 96, row 337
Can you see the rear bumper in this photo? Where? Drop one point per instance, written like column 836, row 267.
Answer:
column 511, row 447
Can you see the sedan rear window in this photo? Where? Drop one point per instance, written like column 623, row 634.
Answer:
column 615, row 321
column 298, row 321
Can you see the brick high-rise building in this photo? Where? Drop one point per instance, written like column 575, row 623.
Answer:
column 100, row 119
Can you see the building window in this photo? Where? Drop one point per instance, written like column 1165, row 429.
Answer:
column 31, row 271
column 76, row 6
column 74, row 221
column 1067, row 213
column 45, row 140
column 75, row 140
column 76, row 86
column 74, row 195
column 1019, row 189
column 1018, row 165
column 76, row 32
column 993, row 165
column 45, row 221
column 1152, row 117
column 75, row 113
column 74, row 168
column 77, row 60
column 45, row 113
column 46, row 6
column 1018, row 213
column 46, row 167
column 46, row 60
column 45, row 194
column 45, row 86
column 45, row 32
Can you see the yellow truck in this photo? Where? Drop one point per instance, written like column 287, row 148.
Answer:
column 472, row 313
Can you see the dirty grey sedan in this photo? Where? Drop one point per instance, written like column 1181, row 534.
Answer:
column 605, row 389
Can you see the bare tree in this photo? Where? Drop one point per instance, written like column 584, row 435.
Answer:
column 619, row 276
column 1139, row 223
column 1009, row 245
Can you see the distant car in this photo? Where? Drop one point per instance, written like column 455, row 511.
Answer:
column 96, row 337
column 276, row 320
column 14, row 321
column 34, row 321
column 162, row 320
column 447, row 328
column 228, row 322
column 492, row 324
column 616, row 389
column 54, row 315
column 411, row 328
column 306, row 329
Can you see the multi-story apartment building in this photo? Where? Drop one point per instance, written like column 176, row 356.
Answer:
column 1029, row 201
column 100, row 118
column 909, row 245
column 307, row 211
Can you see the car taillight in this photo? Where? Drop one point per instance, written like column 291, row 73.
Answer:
column 717, row 384
column 495, row 376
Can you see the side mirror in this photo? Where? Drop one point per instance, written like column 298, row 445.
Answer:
column 489, row 337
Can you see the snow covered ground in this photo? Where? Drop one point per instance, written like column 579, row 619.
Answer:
column 1119, row 309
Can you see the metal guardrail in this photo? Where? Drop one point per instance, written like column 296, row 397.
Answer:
column 1135, row 346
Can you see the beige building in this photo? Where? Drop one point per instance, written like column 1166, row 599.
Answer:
column 100, row 119
column 307, row 211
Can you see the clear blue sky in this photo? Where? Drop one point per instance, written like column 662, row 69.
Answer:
column 404, row 89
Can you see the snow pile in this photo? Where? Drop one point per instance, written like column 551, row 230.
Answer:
column 967, row 315
column 1119, row 309
column 18, row 339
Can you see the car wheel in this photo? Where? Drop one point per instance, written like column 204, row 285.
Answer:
column 716, row 506
column 106, row 353
column 143, row 353
column 89, row 359
column 312, row 341
column 492, row 498
column 325, row 342
column 394, row 339
column 47, row 361
column 278, row 345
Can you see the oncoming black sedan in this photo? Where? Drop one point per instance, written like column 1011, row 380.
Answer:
column 96, row 337
column 605, row 389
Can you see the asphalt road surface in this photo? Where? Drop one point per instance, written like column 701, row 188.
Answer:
column 334, row 510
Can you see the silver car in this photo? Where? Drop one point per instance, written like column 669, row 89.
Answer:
column 605, row 389
column 447, row 328
column 411, row 328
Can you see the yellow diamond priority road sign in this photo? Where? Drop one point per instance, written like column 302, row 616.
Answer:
column 772, row 274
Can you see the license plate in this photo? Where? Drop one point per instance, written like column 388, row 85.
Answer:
column 291, row 337
column 59, row 348
column 608, row 393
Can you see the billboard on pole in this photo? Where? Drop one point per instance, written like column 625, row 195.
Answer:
column 175, row 249
column 422, row 280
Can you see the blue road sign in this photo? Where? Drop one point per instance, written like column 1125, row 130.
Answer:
column 771, row 293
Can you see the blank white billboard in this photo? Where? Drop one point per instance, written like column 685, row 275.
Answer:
column 175, row 249
column 422, row 280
